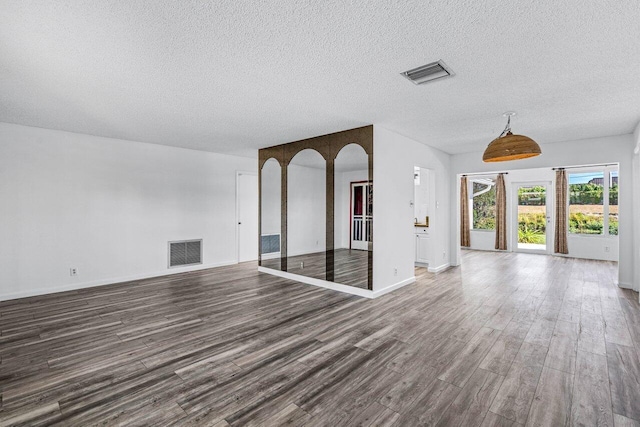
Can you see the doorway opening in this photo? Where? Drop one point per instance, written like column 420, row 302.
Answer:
column 361, row 215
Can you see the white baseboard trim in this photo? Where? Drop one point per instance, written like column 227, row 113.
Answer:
column 393, row 287
column 273, row 255
column 337, row 286
column 439, row 268
column 109, row 281
column 308, row 280
column 486, row 249
column 625, row 285
column 569, row 255
column 319, row 282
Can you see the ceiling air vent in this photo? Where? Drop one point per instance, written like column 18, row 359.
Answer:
column 426, row 73
column 185, row 252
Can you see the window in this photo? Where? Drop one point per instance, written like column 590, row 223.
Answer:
column 613, row 203
column 593, row 202
column 484, row 203
column 586, row 210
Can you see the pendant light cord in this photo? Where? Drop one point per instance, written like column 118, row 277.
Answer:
column 507, row 128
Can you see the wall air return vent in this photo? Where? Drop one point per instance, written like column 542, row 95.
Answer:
column 270, row 243
column 185, row 252
column 427, row 73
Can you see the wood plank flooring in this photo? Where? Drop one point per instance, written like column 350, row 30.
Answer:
column 505, row 339
column 351, row 266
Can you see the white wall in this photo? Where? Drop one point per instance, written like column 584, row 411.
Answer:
column 106, row 207
column 393, row 215
column 483, row 240
column 306, row 209
column 636, row 209
column 612, row 149
column 342, row 194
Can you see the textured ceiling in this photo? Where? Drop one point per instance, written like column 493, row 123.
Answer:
column 233, row 76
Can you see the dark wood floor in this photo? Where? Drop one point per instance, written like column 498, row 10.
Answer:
column 351, row 266
column 504, row 340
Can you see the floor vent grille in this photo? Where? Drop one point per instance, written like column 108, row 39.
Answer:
column 185, row 252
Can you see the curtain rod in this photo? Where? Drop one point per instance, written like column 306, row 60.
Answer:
column 485, row 173
column 585, row 166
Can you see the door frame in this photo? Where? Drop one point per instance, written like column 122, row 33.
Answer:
column 550, row 200
column 238, row 174
column 351, row 185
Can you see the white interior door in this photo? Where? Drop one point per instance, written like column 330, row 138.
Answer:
column 532, row 227
column 361, row 215
column 247, row 214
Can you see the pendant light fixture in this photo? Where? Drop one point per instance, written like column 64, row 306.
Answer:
column 509, row 146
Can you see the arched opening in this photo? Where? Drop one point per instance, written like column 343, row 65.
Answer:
column 271, row 214
column 306, row 214
column 353, row 216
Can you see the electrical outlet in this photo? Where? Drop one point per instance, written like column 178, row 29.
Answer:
column 606, row 248
column 302, row 264
column 395, row 271
column 73, row 271
column 444, row 254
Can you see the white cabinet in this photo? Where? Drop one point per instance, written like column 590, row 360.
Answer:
column 422, row 245
column 422, row 248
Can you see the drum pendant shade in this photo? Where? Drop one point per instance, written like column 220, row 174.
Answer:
column 510, row 147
